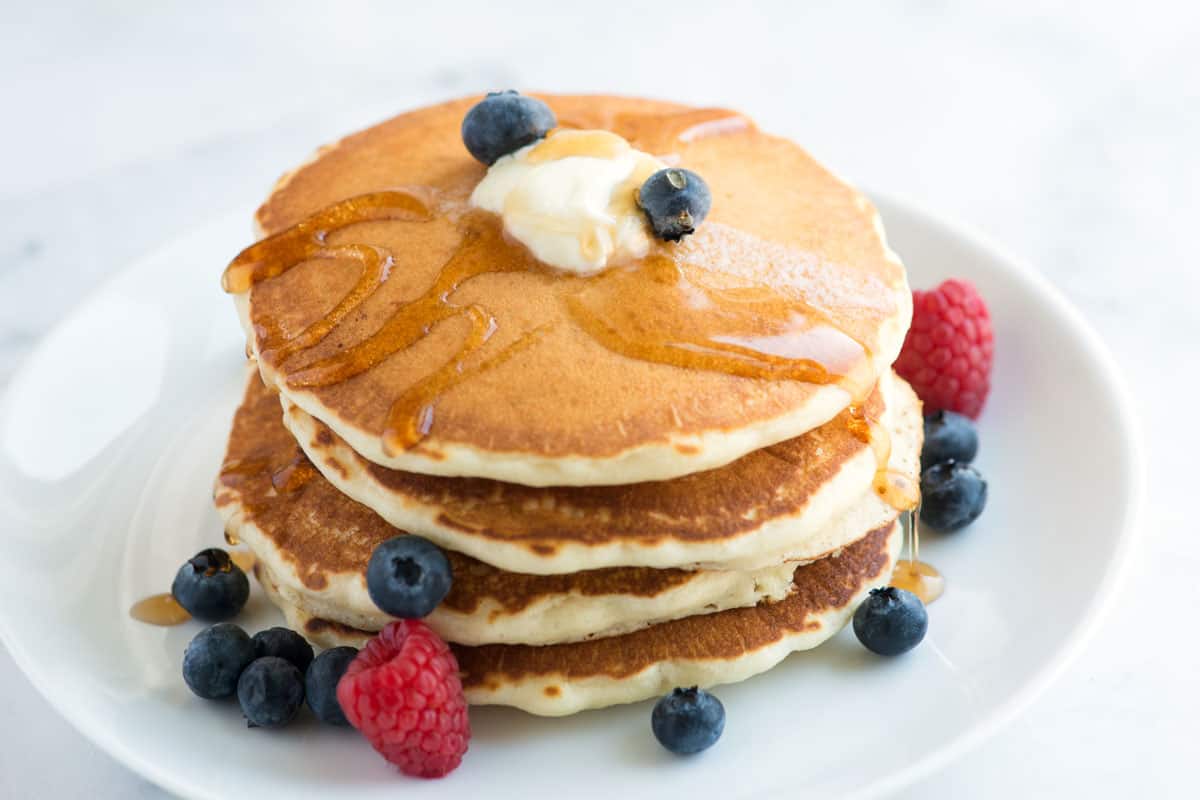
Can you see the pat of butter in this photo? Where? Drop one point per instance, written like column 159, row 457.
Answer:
column 572, row 199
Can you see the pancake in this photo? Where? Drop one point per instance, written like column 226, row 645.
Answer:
column 317, row 542
column 778, row 504
column 430, row 343
column 705, row 651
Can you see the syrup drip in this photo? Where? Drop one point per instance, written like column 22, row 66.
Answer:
column 234, row 472
column 159, row 609
column 244, row 559
column 893, row 487
column 919, row 578
column 292, row 476
column 915, row 575
column 654, row 310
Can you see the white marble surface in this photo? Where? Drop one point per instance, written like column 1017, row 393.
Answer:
column 1065, row 131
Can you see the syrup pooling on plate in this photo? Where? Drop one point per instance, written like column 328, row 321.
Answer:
column 159, row 609
column 163, row 609
column 920, row 578
column 672, row 307
column 912, row 574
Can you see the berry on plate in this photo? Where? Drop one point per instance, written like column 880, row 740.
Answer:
column 404, row 694
column 210, row 586
column 948, row 437
column 214, row 660
column 321, row 681
column 408, row 576
column 891, row 621
column 947, row 354
column 688, row 720
column 285, row 643
column 270, row 691
column 953, row 495
column 675, row 201
column 504, row 122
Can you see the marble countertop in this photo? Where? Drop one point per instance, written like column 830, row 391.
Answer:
column 1066, row 132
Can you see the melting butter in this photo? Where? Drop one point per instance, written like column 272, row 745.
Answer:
column 572, row 199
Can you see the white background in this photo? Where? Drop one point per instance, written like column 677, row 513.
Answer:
column 1067, row 132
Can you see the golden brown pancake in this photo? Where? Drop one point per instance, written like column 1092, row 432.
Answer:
column 773, row 505
column 706, row 650
column 453, row 352
column 317, row 542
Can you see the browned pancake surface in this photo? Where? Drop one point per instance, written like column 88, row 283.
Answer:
column 323, row 533
column 820, row 587
column 736, row 499
column 779, row 221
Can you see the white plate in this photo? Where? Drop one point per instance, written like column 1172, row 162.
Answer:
column 111, row 435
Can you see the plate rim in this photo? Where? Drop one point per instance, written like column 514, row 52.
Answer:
column 1130, row 528
column 1107, row 587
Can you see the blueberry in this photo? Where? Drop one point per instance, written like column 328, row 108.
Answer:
column 270, row 691
column 675, row 201
column 214, row 660
column 688, row 720
column 949, row 437
column 320, row 684
column 891, row 621
column 504, row 122
column 285, row 643
column 210, row 586
column 408, row 576
column 952, row 495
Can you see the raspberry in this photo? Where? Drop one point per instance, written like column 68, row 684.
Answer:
column 947, row 355
column 403, row 693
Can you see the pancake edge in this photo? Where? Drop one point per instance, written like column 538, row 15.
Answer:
column 803, row 536
column 550, row 619
column 556, row 695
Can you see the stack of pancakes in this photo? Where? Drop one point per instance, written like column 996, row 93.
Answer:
column 675, row 473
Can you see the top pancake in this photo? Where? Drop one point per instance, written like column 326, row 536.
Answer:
column 483, row 362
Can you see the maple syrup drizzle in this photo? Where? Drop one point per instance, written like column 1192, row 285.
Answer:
column 306, row 241
column 654, row 310
column 159, row 609
column 741, row 332
column 411, row 415
column 914, row 575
